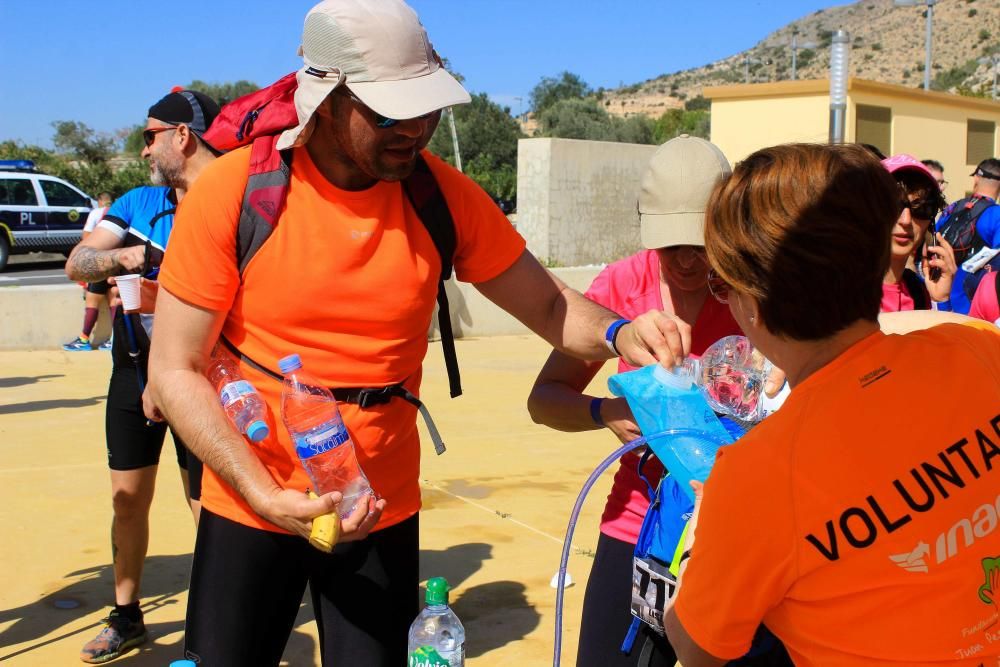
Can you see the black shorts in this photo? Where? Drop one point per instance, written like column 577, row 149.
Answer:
column 132, row 443
column 100, row 287
column 247, row 585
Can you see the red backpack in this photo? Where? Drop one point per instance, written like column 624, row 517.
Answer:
column 259, row 119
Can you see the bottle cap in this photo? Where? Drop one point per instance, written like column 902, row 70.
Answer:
column 257, row 430
column 290, row 363
column 676, row 378
column 437, row 591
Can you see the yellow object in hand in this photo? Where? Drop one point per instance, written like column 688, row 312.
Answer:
column 325, row 529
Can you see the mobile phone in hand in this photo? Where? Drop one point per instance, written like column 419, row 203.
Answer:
column 935, row 271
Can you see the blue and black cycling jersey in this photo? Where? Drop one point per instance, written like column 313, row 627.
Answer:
column 143, row 216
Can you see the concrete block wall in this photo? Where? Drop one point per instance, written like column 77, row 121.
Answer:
column 576, row 199
column 45, row 317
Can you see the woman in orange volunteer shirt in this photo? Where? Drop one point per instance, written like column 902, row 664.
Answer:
column 881, row 544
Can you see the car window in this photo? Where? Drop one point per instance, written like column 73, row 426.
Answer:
column 58, row 194
column 17, row 192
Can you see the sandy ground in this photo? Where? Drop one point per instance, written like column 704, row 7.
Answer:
column 495, row 512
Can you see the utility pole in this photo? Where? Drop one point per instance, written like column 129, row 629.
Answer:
column 929, row 33
column 747, row 60
column 454, row 138
column 995, row 61
column 795, row 46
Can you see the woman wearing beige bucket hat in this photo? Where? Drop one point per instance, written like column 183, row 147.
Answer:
column 670, row 274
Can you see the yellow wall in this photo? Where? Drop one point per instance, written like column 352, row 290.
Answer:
column 741, row 126
column 929, row 129
column 925, row 125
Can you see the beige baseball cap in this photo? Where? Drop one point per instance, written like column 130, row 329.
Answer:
column 379, row 50
column 675, row 191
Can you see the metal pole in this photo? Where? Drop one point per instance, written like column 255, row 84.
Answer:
column 927, row 47
column 795, row 51
column 839, row 54
column 996, row 66
column 746, row 69
column 454, row 138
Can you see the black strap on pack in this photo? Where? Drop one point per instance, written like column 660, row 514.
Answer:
column 424, row 194
column 363, row 397
column 264, row 196
column 918, row 291
column 960, row 230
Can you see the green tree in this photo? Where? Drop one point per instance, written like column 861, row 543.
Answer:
column 134, row 142
column 225, row 92
column 677, row 121
column 487, row 140
column 81, row 142
column 550, row 90
column 577, row 119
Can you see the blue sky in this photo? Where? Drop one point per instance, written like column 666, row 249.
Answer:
column 104, row 63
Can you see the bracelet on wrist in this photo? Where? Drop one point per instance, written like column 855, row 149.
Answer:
column 595, row 411
column 611, row 335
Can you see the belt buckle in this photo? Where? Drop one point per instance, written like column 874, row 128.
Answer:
column 370, row 397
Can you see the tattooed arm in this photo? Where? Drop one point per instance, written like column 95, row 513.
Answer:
column 100, row 255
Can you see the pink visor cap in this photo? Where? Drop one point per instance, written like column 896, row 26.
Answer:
column 381, row 52
column 904, row 162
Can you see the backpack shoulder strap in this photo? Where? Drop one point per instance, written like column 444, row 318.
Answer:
column 428, row 201
column 267, row 187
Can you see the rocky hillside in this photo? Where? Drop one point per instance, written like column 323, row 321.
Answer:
column 888, row 46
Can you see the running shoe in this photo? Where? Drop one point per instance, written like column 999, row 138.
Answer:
column 106, row 345
column 78, row 345
column 118, row 636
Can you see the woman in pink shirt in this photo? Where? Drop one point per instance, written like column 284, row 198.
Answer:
column 986, row 302
column 920, row 201
column 670, row 275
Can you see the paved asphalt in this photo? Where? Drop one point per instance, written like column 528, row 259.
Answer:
column 34, row 269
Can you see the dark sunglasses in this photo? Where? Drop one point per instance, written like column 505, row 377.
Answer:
column 149, row 136
column 718, row 287
column 921, row 210
column 383, row 122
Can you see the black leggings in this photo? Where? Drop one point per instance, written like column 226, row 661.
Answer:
column 606, row 619
column 247, row 585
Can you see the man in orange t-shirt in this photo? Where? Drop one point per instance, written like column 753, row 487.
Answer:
column 347, row 279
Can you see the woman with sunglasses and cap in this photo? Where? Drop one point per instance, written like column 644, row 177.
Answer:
column 880, row 545
column 669, row 275
column 920, row 200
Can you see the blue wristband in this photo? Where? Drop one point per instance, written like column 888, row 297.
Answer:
column 595, row 411
column 612, row 334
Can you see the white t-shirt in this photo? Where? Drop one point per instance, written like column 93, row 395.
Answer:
column 94, row 217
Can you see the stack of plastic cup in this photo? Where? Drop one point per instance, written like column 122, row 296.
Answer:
column 131, row 292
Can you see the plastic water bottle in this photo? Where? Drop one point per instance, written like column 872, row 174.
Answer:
column 731, row 375
column 240, row 400
column 321, row 440
column 437, row 637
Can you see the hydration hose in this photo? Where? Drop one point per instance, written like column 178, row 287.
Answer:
column 575, row 514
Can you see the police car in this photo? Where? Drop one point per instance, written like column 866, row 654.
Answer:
column 38, row 212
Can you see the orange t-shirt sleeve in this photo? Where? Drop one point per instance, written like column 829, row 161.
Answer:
column 486, row 243
column 199, row 266
column 742, row 559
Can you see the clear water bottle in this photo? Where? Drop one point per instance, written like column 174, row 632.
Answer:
column 240, row 400
column 731, row 375
column 321, row 440
column 437, row 637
